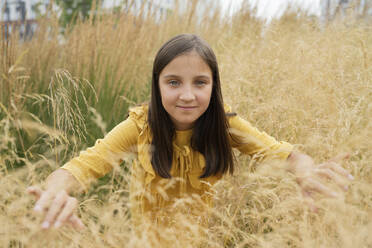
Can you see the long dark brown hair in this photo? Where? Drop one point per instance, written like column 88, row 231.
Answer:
column 210, row 134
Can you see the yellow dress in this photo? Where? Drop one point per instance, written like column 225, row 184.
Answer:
column 151, row 195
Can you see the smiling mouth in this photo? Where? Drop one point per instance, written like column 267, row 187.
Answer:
column 186, row 107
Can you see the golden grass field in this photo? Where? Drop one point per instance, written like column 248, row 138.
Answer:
column 309, row 86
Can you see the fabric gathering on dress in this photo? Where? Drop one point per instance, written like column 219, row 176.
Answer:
column 152, row 195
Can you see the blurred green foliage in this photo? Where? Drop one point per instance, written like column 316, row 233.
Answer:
column 72, row 10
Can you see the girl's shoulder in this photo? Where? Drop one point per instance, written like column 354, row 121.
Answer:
column 138, row 114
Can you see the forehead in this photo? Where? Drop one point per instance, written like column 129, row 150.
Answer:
column 189, row 63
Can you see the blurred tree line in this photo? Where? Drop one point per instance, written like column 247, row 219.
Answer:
column 71, row 10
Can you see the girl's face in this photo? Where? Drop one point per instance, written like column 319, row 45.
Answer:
column 186, row 87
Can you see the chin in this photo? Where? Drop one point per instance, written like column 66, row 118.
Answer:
column 188, row 124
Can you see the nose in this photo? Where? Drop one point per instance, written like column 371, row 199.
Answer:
column 187, row 94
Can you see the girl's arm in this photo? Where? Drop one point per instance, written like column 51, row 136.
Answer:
column 55, row 203
column 251, row 141
column 310, row 176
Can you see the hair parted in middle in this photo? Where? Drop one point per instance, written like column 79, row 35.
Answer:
column 210, row 134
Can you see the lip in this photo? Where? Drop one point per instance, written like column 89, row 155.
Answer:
column 186, row 107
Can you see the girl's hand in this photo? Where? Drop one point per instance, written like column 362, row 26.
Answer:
column 57, row 207
column 311, row 177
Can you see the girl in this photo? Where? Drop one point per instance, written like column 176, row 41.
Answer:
column 182, row 141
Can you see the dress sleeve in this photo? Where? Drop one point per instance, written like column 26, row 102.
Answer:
column 106, row 153
column 249, row 140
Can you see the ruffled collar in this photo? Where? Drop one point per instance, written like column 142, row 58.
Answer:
column 182, row 138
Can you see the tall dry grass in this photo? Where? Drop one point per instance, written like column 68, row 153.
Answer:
column 308, row 86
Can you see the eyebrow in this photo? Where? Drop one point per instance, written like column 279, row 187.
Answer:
column 176, row 76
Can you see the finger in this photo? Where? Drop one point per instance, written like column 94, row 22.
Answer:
column 54, row 209
column 313, row 185
column 44, row 201
column 67, row 212
column 337, row 168
column 340, row 157
column 309, row 201
column 76, row 222
column 36, row 191
column 329, row 174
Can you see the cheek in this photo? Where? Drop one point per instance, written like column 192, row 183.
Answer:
column 167, row 96
column 207, row 95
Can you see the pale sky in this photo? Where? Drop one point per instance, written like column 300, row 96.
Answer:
column 265, row 10
column 224, row 3
column 108, row 3
column 233, row 4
